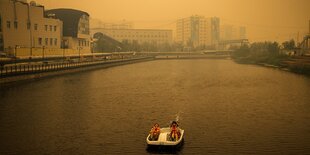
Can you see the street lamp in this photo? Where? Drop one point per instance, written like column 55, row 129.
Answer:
column 43, row 54
column 79, row 48
column 63, row 54
column 15, row 52
column 119, row 51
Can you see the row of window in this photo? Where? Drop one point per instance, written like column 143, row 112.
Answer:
column 150, row 41
column 138, row 33
column 83, row 43
column 51, row 28
column 142, row 36
column 8, row 24
column 48, row 41
column 47, row 27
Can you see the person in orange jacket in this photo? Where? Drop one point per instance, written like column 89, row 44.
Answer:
column 155, row 131
column 175, row 132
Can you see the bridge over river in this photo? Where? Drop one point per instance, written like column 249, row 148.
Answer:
column 224, row 107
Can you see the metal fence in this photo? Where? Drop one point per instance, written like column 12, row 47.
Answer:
column 23, row 69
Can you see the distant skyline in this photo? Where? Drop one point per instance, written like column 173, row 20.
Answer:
column 273, row 20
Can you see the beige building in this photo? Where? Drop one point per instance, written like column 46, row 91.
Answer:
column 197, row 31
column 115, row 25
column 76, row 31
column 140, row 36
column 231, row 32
column 23, row 25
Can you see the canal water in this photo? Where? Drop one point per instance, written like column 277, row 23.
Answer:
column 224, row 108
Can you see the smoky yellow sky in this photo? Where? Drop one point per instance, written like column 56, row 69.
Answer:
column 273, row 20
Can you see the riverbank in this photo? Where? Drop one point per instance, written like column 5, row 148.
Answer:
column 295, row 64
column 24, row 72
column 67, row 69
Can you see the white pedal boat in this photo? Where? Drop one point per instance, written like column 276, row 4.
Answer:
column 164, row 138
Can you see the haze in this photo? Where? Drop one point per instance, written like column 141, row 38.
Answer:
column 274, row 20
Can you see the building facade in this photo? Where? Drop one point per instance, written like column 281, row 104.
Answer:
column 76, row 31
column 23, row 25
column 198, row 31
column 154, row 36
column 231, row 32
column 115, row 25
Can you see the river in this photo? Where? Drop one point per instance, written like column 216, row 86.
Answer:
column 224, row 108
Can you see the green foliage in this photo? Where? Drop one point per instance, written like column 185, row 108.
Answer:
column 259, row 52
column 243, row 51
column 289, row 45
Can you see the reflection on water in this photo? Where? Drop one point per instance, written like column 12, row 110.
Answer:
column 225, row 108
column 166, row 149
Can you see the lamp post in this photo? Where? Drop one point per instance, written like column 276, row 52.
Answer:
column 118, row 49
column 15, row 52
column 79, row 48
column 63, row 54
column 43, row 54
column 92, row 49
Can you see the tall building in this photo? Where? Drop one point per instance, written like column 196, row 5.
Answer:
column 231, row 32
column 24, row 25
column 154, row 36
column 198, row 31
column 76, row 31
column 242, row 32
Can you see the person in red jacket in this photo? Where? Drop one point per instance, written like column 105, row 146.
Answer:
column 175, row 132
column 155, row 131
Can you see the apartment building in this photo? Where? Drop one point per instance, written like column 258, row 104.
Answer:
column 198, row 31
column 154, row 36
column 232, row 32
column 23, row 25
column 95, row 23
column 76, row 31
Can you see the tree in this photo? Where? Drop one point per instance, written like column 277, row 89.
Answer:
column 243, row 51
column 289, row 45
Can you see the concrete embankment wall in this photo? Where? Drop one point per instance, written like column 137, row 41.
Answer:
column 6, row 81
column 23, row 52
column 193, row 57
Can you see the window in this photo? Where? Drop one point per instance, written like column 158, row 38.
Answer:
column 55, row 28
column 45, row 27
column 79, row 42
column 15, row 24
column 51, row 41
column 51, row 28
column 40, row 41
column 55, row 42
column 46, row 41
column 8, row 24
column 36, row 27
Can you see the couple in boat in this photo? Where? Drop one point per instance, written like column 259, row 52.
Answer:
column 174, row 135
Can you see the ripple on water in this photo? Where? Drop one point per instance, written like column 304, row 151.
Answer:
column 225, row 108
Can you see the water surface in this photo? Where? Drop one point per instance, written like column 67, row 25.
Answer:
column 225, row 108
